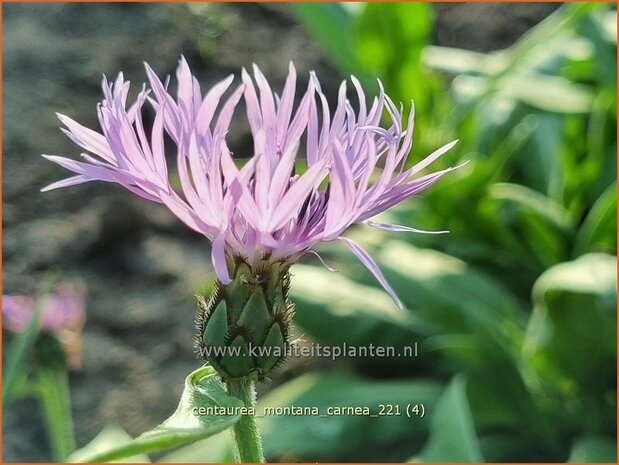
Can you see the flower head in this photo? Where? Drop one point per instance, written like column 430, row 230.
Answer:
column 64, row 308
column 62, row 314
column 267, row 208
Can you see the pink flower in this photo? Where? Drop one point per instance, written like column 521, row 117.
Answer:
column 62, row 309
column 62, row 314
column 265, row 209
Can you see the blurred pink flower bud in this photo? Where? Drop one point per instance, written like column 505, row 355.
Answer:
column 62, row 314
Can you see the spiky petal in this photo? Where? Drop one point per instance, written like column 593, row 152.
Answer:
column 264, row 209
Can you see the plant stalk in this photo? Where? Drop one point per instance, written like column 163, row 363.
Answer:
column 245, row 432
column 55, row 400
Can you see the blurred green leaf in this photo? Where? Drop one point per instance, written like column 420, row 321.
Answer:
column 594, row 449
column 111, row 437
column 526, row 198
column 476, row 324
column 53, row 392
column 538, row 122
column 328, row 302
column 571, row 339
column 598, row 233
column 460, row 61
column 390, row 39
column 552, row 28
column 311, row 437
column 604, row 39
column 332, row 25
column 186, row 425
column 216, row 449
column 550, row 93
column 448, row 294
column 389, row 35
column 541, row 224
column 452, row 434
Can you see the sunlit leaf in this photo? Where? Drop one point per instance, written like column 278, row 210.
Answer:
column 571, row 339
column 312, row 437
column 368, row 314
column 202, row 390
column 452, row 434
column 549, row 93
column 594, row 449
column 216, row 449
column 111, row 437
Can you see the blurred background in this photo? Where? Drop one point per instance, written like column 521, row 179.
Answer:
column 514, row 311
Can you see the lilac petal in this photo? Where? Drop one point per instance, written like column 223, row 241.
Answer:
column 218, row 255
column 342, row 195
column 312, row 133
column 263, row 175
column 209, row 104
column 254, row 115
column 360, row 96
column 313, row 252
column 398, row 194
column 371, row 265
column 293, row 199
column 87, row 138
column 429, row 159
column 185, row 87
column 281, row 176
column 340, row 111
column 90, row 171
column 399, row 228
column 73, row 180
column 225, row 116
column 184, row 212
column 198, row 169
column 285, row 105
column 172, row 118
column 158, row 150
column 245, row 203
column 301, row 117
column 267, row 104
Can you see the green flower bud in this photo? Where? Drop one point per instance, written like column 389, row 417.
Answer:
column 243, row 328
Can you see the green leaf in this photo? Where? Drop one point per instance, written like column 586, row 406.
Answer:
column 216, row 449
column 366, row 313
column 312, row 437
column 594, row 449
column 447, row 293
column 550, row 93
column 551, row 211
column 544, row 170
column 390, row 35
column 476, row 323
column 543, row 225
column 111, row 437
column 570, row 345
column 452, row 434
column 331, row 24
column 202, row 390
column 53, row 393
column 460, row 61
column 390, row 39
column 598, row 233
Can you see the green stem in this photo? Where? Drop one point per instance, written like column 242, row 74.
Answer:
column 55, row 400
column 245, row 431
column 24, row 341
